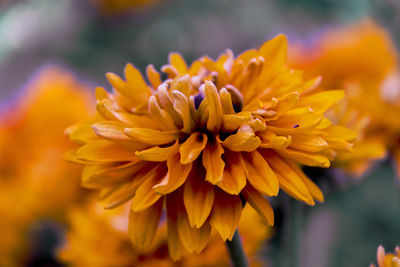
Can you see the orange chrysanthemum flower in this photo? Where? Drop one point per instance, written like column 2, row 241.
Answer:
column 85, row 247
column 387, row 260
column 344, row 60
column 35, row 180
column 206, row 139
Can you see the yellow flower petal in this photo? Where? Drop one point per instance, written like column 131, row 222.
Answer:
column 178, row 62
column 105, row 151
column 270, row 140
column 226, row 101
column 234, row 176
column 182, row 107
column 143, row 225
column 154, row 76
column 121, row 194
column 308, row 143
column 311, row 186
column 274, row 52
column 158, row 153
column 81, row 133
column 168, row 104
column 242, row 141
column 101, row 93
column 193, row 239
column 259, row 174
column 225, row 215
column 213, row 162
column 175, row 177
column 198, row 198
column 135, row 79
column 231, row 122
column 152, row 137
column 97, row 176
column 106, row 110
column 174, row 243
column 259, row 203
column 145, row 195
column 182, row 84
column 111, row 130
column 192, row 147
column 289, row 180
column 214, row 107
column 322, row 101
column 306, row 158
column 160, row 116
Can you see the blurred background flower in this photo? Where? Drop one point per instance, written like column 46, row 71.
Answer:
column 356, row 216
column 85, row 246
column 36, row 183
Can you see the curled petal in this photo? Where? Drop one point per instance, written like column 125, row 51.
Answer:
column 213, row 162
column 192, row 147
column 158, row 153
column 182, row 84
column 152, row 137
column 234, row 175
column 81, row 133
column 182, row 107
column 214, row 106
column 226, row 101
column 243, row 140
column 231, row 122
column 160, row 116
column 175, row 177
column 270, row 140
column 110, row 130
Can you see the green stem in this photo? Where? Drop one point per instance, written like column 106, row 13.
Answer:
column 236, row 252
column 296, row 217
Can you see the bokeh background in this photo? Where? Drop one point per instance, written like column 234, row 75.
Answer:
column 90, row 38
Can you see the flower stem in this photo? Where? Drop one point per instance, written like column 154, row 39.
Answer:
column 295, row 225
column 236, row 252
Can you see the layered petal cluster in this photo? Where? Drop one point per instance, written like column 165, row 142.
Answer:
column 389, row 259
column 85, row 247
column 206, row 140
column 35, row 180
column 344, row 59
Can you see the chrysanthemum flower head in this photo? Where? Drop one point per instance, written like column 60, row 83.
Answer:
column 206, row 140
column 344, row 60
column 389, row 259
